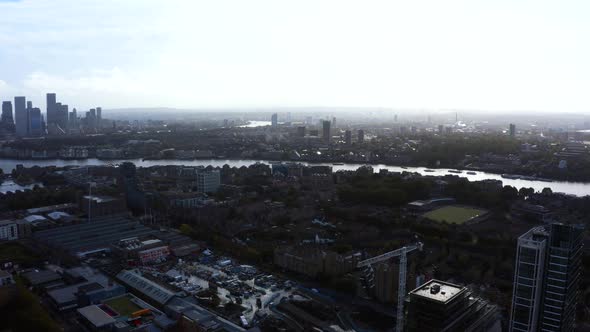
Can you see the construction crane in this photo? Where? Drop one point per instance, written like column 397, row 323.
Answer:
column 401, row 289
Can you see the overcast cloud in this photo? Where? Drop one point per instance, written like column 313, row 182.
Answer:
column 495, row 55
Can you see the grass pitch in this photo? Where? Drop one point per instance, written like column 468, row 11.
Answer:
column 122, row 305
column 454, row 214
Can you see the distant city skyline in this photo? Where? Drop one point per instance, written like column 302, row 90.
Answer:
column 497, row 55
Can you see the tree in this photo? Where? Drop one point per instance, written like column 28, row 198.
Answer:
column 187, row 230
column 547, row 191
column 525, row 192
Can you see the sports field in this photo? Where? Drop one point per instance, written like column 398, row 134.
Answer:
column 122, row 305
column 454, row 214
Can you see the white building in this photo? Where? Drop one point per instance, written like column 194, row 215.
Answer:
column 8, row 230
column 208, row 181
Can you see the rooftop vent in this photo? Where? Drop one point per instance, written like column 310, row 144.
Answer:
column 435, row 289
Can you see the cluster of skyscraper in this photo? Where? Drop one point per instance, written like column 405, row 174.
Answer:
column 28, row 121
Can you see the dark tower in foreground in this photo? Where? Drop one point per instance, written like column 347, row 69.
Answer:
column 546, row 278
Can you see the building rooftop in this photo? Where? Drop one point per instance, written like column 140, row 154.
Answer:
column 149, row 242
column 41, row 277
column 97, row 234
column 100, row 199
column 7, row 222
column 50, row 208
column 34, row 218
column 147, row 287
column 438, row 291
column 96, row 316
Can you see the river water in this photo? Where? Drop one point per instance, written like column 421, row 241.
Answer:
column 574, row 188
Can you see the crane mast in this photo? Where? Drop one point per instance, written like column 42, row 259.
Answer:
column 401, row 290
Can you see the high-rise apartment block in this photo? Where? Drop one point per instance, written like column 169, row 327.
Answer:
column 546, row 278
column 360, row 136
column 348, row 137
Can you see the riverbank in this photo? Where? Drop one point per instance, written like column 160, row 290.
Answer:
column 573, row 188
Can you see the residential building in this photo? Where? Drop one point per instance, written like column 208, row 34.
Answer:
column 360, row 136
column 348, row 137
column 512, row 130
column 301, row 131
column 546, row 278
column 274, row 119
column 98, row 206
column 313, row 261
column 8, row 230
column 6, row 278
column 208, row 181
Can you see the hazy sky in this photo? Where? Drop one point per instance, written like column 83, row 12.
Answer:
column 494, row 54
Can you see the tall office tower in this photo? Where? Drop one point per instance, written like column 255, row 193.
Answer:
column 326, row 131
column 348, row 137
column 35, row 122
column 441, row 129
column 98, row 117
column 334, row 122
column 546, row 278
column 395, row 118
column 512, row 130
column 360, row 136
column 301, row 131
column 442, row 306
column 51, row 108
column 62, row 117
column 21, row 116
column 91, row 119
column 6, row 118
column 73, row 119
column 274, row 120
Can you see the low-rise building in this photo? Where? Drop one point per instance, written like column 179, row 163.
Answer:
column 6, row 278
column 427, row 205
column 532, row 211
column 312, row 261
column 145, row 252
column 98, row 206
column 8, row 230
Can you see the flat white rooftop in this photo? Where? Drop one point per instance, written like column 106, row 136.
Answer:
column 437, row 290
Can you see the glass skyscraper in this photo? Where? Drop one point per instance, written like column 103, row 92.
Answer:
column 21, row 116
column 546, row 278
